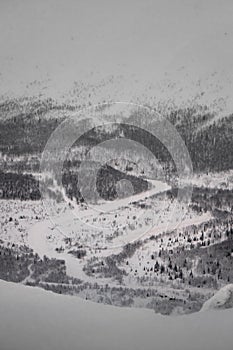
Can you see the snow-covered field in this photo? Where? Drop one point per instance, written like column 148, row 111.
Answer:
column 29, row 223
column 32, row 318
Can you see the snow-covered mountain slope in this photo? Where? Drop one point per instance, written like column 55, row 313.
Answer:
column 223, row 299
column 31, row 318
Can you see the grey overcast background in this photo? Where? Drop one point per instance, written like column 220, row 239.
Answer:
column 59, row 42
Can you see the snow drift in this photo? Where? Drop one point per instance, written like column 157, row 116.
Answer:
column 31, row 318
column 223, row 299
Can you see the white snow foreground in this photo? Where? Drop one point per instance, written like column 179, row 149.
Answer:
column 31, row 318
column 223, row 299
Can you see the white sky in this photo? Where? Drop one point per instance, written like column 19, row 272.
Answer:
column 58, row 42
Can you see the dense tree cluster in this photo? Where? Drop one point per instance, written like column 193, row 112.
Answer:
column 19, row 263
column 107, row 178
column 18, row 186
column 209, row 141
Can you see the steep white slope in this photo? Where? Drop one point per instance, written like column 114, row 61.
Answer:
column 31, row 318
column 223, row 299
